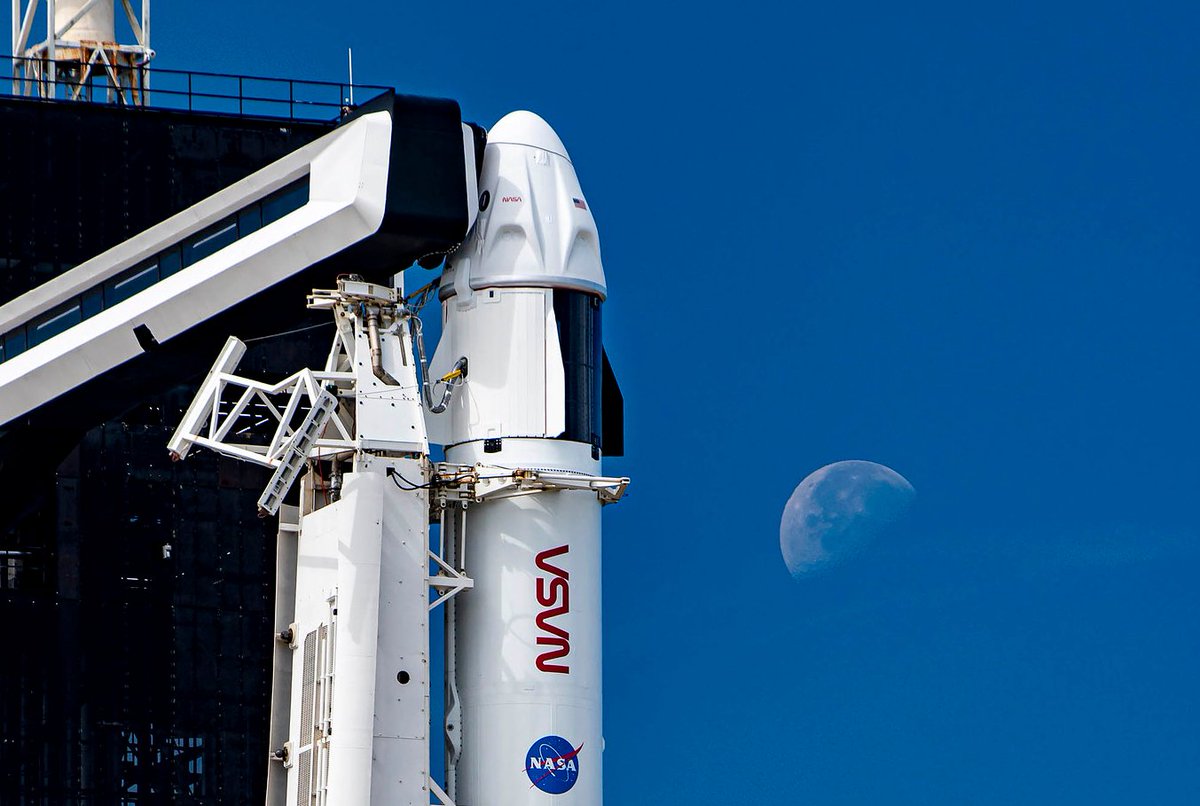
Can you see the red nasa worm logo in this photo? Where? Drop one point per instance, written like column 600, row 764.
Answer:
column 550, row 591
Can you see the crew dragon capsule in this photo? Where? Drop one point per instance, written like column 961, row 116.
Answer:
column 521, row 302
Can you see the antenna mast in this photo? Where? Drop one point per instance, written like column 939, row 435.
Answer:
column 80, row 56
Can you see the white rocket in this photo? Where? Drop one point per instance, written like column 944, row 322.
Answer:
column 523, row 377
column 521, row 302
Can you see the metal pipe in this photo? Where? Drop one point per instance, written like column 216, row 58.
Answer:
column 335, row 480
column 376, row 349
column 16, row 34
column 149, row 51
column 22, row 38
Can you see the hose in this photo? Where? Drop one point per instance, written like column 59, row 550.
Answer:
column 451, row 380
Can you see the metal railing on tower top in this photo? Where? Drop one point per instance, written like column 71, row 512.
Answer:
column 189, row 90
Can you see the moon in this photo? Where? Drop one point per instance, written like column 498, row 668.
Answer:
column 837, row 510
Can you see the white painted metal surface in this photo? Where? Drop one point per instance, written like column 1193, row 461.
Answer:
column 85, row 20
column 389, row 414
column 359, row 723
column 400, row 737
column 529, row 635
column 286, row 556
column 515, row 383
column 535, row 228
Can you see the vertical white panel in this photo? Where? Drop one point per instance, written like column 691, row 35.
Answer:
column 319, row 562
column 286, row 548
column 358, row 534
column 556, row 380
column 401, row 732
column 389, row 417
column 505, row 337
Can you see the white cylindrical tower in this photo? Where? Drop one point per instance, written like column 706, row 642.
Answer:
column 97, row 24
column 521, row 302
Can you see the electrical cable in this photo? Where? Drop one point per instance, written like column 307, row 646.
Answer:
column 436, row 481
column 396, row 474
column 286, row 333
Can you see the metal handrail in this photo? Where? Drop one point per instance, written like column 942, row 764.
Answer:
column 181, row 91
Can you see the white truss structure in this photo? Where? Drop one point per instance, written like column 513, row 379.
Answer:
column 224, row 397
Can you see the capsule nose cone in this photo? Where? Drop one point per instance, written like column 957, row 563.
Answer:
column 527, row 129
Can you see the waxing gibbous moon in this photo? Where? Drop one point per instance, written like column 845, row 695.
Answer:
column 838, row 510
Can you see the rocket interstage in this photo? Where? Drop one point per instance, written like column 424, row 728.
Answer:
column 521, row 302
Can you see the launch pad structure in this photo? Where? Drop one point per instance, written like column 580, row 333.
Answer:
column 228, row 219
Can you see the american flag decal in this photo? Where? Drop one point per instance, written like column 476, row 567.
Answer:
column 580, row 203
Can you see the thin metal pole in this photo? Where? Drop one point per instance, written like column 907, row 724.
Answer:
column 241, row 94
column 51, row 49
column 19, row 46
column 16, row 36
column 146, row 45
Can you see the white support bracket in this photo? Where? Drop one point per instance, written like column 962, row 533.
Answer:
column 448, row 582
column 483, row 482
column 442, row 798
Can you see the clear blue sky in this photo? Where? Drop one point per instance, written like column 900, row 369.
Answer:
column 961, row 242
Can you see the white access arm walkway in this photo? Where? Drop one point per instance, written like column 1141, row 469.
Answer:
column 346, row 173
